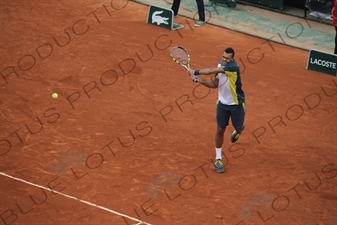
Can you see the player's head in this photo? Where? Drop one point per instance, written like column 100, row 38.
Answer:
column 228, row 55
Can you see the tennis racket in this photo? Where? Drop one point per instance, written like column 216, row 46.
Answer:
column 181, row 56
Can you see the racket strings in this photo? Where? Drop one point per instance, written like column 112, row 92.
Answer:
column 180, row 55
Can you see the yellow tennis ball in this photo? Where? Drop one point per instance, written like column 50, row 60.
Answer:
column 55, row 95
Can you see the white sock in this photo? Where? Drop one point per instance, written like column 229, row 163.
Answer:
column 218, row 153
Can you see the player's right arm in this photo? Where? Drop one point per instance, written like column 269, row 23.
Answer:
column 210, row 83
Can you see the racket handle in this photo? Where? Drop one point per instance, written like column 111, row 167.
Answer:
column 195, row 80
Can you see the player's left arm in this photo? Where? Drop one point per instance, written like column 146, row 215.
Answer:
column 206, row 71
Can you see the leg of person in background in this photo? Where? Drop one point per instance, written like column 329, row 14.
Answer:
column 175, row 6
column 201, row 13
column 336, row 41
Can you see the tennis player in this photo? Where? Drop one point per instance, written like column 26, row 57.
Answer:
column 231, row 99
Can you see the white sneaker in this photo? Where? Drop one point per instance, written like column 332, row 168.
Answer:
column 199, row 23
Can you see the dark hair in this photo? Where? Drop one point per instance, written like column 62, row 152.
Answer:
column 230, row 50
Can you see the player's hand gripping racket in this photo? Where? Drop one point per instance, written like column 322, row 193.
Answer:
column 181, row 56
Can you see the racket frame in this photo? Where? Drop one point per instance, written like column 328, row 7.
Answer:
column 186, row 66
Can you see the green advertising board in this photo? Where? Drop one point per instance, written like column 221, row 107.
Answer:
column 160, row 16
column 322, row 62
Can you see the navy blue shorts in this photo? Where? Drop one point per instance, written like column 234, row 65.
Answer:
column 235, row 112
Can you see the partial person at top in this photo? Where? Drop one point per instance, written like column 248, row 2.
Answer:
column 201, row 11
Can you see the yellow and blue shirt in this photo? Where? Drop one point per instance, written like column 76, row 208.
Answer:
column 230, row 87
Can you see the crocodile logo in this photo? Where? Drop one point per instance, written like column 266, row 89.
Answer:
column 156, row 18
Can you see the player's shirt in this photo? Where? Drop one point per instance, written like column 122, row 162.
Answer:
column 229, row 89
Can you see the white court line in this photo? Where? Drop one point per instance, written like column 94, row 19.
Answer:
column 83, row 201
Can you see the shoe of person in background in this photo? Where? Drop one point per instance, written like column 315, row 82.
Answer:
column 199, row 23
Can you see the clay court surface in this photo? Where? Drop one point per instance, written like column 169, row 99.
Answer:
column 133, row 136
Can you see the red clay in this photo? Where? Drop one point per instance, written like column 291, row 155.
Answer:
column 132, row 133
